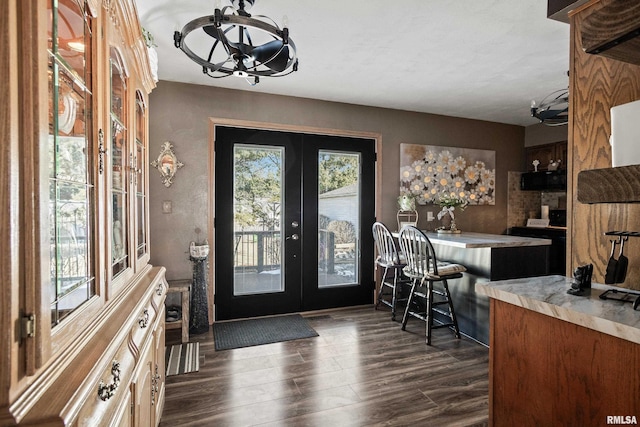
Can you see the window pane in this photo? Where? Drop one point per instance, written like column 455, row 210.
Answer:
column 119, row 235
column 140, row 155
column 71, row 301
column 53, row 100
column 118, row 156
column 72, row 160
column 140, row 114
column 118, row 87
column 140, row 167
column 73, row 251
column 338, row 218
column 120, row 260
column 142, row 238
column 71, row 193
column 71, row 36
column 258, row 196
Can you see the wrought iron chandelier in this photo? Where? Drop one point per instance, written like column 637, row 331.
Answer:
column 243, row 45
column 553, row 110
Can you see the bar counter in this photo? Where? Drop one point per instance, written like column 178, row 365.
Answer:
column 482, row 240
column 487, row 257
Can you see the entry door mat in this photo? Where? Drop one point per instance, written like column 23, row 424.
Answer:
column 182, row 358
column 266, row 330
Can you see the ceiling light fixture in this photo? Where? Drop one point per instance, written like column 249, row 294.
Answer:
column 243, row 45
column 553, row 110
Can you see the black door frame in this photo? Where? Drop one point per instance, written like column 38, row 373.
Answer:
column 214, row 122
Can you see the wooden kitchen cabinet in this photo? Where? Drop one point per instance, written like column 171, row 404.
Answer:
column 83, row 310
column 553, row 360
column 143, row 389
column 545, row 154
column 612, row 31
column 148, row 386
column 158, row 382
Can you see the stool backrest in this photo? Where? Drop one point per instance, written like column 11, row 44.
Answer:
column 418, row 251
column 386, row 245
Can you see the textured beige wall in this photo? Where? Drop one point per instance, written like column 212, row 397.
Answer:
column 180, row 114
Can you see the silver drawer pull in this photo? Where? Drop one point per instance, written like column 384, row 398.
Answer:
column 143, row 321
column 154, row 386
column 106, row 391
column 159, row 289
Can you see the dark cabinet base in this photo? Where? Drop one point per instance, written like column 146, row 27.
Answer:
column 483, row 265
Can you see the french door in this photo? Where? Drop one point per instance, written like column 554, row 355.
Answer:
column 293, row 217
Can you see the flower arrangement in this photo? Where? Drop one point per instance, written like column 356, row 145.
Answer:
column 148, row 38
column 440, row 173
column 449, row 204
column 447, row 201
column 407, row 202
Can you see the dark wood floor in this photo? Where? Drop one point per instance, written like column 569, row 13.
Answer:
column 361, row 371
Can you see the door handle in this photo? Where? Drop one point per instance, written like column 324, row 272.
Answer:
column 293, row 237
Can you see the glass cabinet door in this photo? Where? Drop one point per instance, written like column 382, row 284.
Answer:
column 119, row 153
column 71, row 191
column 139, row 162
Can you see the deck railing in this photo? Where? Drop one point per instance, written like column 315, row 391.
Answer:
column 257, row 250
column 261, row 250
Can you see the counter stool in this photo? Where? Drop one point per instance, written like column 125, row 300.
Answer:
column 391, row 261
column 425, row 301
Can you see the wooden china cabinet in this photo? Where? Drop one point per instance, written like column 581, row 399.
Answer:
column 82, row 315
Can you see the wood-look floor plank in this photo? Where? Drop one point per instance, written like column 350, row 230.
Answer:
column 362, row 370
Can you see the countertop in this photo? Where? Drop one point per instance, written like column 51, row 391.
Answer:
column 548, row 295
column 482, row 240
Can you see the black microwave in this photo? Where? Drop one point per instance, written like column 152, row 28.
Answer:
column 544, row 181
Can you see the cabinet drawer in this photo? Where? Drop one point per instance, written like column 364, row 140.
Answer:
column 159, row 293
column 110, row 392
column 141, row 331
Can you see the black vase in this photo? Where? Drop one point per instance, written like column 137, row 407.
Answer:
column 198, row 306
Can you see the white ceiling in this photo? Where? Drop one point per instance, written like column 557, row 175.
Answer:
column 478, row 59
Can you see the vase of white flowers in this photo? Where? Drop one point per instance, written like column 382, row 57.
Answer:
column 407, row 202
column 407, row 215
column 151, row 49
column 447, row 214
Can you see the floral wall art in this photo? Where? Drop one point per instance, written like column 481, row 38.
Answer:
column 432, row 173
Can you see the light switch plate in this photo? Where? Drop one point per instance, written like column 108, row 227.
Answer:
column 166, row 206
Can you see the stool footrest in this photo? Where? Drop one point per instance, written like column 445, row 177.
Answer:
column 442, row 325
column 440, row 311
